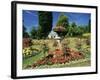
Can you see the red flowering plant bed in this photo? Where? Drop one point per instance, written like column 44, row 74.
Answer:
column 26, row 42
column 58, row 57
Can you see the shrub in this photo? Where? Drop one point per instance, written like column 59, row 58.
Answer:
column 28, row 52
column 27, row 42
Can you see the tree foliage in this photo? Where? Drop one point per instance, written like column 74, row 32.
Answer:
column 33, row 33
column 62, row 25
column 74, row 25
column 89, row 26
column 66, row 28
column 25, row 33
column 74, row 30
column 45, row 23
column 62, row 21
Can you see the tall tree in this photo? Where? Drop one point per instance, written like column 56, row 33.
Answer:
column 33, row 33
column 25, row 33
column 62, row 21
column 45, row 23
column 89, row 25
column 72, row 29
column 87, row 28
column 74, row 25
column 62, row 25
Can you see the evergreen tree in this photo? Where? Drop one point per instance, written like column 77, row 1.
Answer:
column 62, row 21
column 45, row 23
column 89, row 25
column 33, row 33
column 74, row 25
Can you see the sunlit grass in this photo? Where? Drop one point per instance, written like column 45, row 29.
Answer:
column 76, row 63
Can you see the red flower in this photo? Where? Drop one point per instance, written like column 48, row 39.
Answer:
column 58, row 51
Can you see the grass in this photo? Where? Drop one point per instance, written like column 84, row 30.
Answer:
column 80, row 63
column 86, row 35
column 33, row 59
column 76, row 63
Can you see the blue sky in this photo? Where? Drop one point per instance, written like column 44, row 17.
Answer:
column 30, row 18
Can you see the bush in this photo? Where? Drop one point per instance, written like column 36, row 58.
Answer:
column 28, row 52
column 27, row 42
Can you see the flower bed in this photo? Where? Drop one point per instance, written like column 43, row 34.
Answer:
column 61, row 59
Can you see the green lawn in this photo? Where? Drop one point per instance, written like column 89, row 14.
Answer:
column 31, row 60
column 77, row 63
